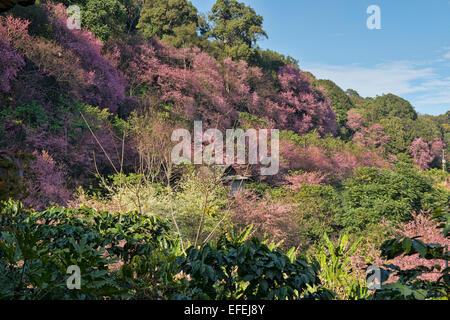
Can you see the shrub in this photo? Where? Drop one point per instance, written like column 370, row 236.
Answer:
column 317, row 208
column 236, row 268
column 36, row 248
column 336, row 272
column 372, row 195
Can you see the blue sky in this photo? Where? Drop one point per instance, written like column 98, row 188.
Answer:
column 409, row 56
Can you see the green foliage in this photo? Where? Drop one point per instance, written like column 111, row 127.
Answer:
column 313, row 138
column 155, row 276
column 184, row 36
column 443, row 123
column 197, row 195
column 108, row 19
column 127, row 256
column 249, row 121
column 39, row 24
column 133, row 11
column 317, row 208
column 236, row 268
column 262, row 189
column 104, row 18
column 428, row 127
column 438, row 175
column 354, row 96
column 335, row 269
column 341, row 103
column 12, row 183
column 183, row 206
column 234, row 23
column 65, row 119
column 166, row 17
column 402, row 131
column 387, row 106
column 32, row 115
column 236, row 27
column 36, row 248
column 372, row 195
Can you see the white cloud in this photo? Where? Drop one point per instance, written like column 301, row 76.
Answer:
column 426, row 88
column 439, row 98
column 444, row 54
column 397, row 77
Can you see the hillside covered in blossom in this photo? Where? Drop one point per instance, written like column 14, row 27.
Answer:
column 86, row 118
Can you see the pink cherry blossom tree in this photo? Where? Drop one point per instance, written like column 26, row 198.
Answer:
column 424, row 153
column 10, row 60
column 46, row 183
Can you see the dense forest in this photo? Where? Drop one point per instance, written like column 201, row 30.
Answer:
column 86, row 176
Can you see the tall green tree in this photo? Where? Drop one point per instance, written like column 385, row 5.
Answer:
column 129, row 13
column 401, row 133
column 355, row 98
column 373, row 195
column 163, row 17
column 272, row 61
column 387, row 106
column 106, row 18
column 236, row 27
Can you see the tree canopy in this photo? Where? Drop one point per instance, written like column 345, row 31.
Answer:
column 236, row 26
column 163, row 17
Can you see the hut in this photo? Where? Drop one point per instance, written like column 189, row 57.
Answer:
column 233, row 178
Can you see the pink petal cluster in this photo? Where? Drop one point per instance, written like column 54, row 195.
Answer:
column 47, row 182
column 424, row 153
column 10, row 60
column 271, row 219
column 428, row 231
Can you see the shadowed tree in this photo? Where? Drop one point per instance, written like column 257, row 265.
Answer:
column 341, row 103
column 8, row 4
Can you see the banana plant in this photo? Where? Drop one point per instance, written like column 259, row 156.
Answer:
column 335, row 266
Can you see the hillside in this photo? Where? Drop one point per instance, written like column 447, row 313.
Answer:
column 87, row 116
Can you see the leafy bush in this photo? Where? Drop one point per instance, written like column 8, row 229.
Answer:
column 336, row 270
column 372, row 195
column 127, row 256
column 317, row 207
column 235, row 268
column 104, row 18
column 36, row 248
